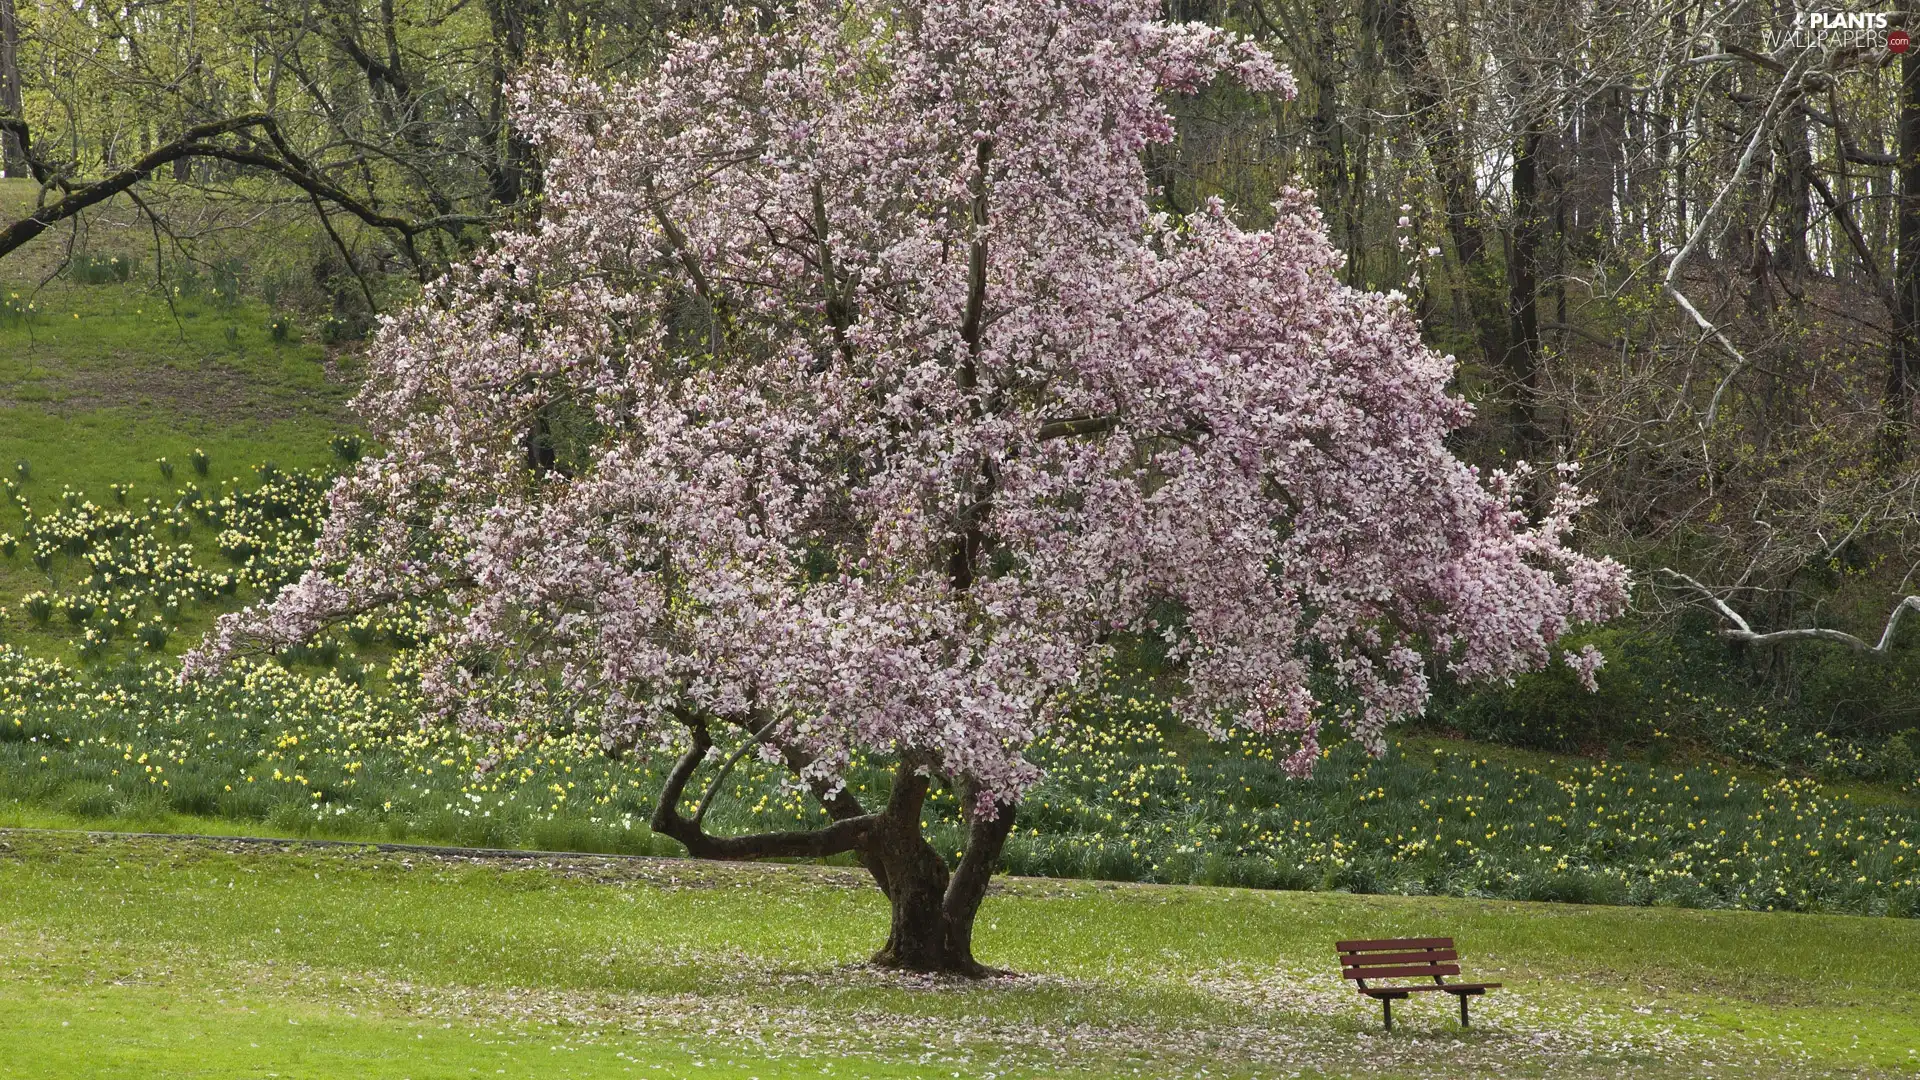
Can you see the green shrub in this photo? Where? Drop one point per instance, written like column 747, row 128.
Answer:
column 330, row 742
column 153, row 634
column 79, row 609
column 340, row 329
column 92, row 801
column 224, row 280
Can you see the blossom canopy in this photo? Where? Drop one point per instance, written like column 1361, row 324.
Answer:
column 851, row 391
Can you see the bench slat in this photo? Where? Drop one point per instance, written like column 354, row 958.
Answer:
column 1394, row 959
column 1450, row 988
column 1399, row 972
column 1393, row 944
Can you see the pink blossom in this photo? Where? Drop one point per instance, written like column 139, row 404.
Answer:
column 880, row 397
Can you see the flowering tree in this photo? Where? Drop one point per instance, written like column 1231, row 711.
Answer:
column 849, row 396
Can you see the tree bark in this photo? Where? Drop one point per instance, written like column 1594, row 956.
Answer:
column 198, row 142
column 1523, row 288
column 1427, row 103
column 13, row 158
column 986, row 839
column 515, row 173
column 1904, row 349
column 931, row 909
column 1330, row 153
column 1793, row 194
column 916, row 882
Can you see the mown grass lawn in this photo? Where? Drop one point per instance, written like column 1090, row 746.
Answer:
column 150, row 958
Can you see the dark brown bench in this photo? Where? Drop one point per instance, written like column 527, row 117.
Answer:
column 1406, row 958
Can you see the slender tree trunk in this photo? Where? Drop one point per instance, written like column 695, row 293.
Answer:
column 1612, row 135
column 12, row 160
column 1523, row 288
column 1330, row 153
column 515, row 173
column 1674, row 157
column 1794, row 196
column 1903, row 355
column 1406, row 52
column 195, row 96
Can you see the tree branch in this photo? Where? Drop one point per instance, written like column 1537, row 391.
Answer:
column 720, row 775
column 1788, row 91
column 839, row 311
column 1078, row 425
column 194, row 142
column 986, row 838
column 1752, row 57
column 683, row 250
column 1859, row 241
column 1741, row 631
column 844, row 835
column 976, row 265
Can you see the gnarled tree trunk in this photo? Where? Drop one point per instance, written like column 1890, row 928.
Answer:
column 932, row 908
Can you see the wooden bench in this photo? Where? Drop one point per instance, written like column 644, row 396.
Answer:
column 1406, row 958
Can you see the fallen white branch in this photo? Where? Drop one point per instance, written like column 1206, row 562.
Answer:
column 1740, row 631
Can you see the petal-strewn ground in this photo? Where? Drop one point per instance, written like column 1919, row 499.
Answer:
column 146, row 957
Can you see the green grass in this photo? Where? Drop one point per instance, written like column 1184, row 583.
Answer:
column 100, row 383
column 161, row 959
column 105, row 380
column 299, row 752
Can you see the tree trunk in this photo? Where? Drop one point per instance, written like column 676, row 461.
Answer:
column 1406, row 52
column 932, row 908
column 914, row 877
column 12, row 160
column 1793, row 195
column 1330, row 155
column 1904, row 349
column 515, row 172
column 1523, row 289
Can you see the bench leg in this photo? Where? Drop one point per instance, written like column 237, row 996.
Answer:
column 1386, row 1011
column 1463, row 1009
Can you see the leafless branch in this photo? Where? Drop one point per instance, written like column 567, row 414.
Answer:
column 1741, row 631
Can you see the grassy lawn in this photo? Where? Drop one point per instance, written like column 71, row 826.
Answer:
column 160, row 958
column 99, row 381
